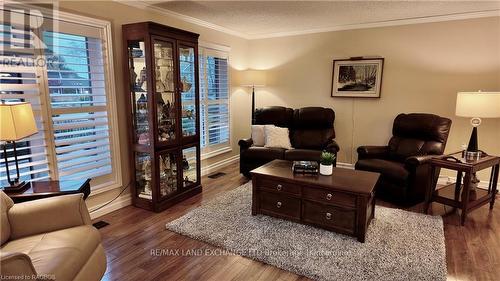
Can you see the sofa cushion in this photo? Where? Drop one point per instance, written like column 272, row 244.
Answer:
column 277, row 137
column 60, row 253
column 5, row 204
column 263, row 153
column 258, row 136
column 302, row 154
column 390, row 169
column 311, row 139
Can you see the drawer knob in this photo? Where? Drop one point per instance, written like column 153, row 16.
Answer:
column 329, row 196
column 328, row 216
column 278, row 205
column 279, row 187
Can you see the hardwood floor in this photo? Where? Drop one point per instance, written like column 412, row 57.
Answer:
column 134, row 235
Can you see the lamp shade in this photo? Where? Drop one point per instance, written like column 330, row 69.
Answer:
column 253, row 78
column 16, row 121
column 478, row 104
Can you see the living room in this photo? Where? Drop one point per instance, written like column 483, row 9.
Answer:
column 273, row 63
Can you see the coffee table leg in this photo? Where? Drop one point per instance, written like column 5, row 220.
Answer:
column 254, row 197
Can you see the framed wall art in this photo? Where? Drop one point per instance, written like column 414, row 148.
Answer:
column 357, row 77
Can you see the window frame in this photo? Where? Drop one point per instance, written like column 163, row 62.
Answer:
column 213, row 150
column 116, row 180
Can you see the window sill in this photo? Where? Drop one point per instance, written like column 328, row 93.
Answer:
column 216, row 152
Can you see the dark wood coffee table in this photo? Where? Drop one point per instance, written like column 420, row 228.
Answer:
column 343, row 202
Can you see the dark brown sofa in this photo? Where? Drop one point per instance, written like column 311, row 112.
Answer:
column 403, row 163
column 311, row 131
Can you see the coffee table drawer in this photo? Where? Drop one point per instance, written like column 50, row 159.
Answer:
column 329, row 197
column 275, row 185
column 329, row 216
column 280, row 204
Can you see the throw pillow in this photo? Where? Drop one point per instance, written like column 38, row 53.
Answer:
column 277, row 137
column 258, row 136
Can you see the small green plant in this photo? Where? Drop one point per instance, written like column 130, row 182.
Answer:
column 327, row 158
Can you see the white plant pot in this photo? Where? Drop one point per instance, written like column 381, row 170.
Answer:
column 325, row 170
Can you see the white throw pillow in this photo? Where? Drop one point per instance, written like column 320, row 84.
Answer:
column 258, row 136
column 277, row 137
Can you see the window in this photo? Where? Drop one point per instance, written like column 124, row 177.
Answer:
column 66, row 81
column 214, row 101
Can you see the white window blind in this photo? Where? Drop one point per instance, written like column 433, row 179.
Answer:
column 70, row 96
column 214, row 100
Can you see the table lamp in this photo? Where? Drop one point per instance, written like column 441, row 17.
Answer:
column 253, row 78
column 16, row 122
column 477, row 105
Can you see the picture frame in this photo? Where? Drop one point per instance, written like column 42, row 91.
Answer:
column 357, row 77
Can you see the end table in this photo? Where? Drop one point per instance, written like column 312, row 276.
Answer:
column 44, row 189
column 468, row 200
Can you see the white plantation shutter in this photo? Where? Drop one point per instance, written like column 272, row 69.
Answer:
column 78, row 100
column 70, row 97
column 214, row 100
column 20, row 82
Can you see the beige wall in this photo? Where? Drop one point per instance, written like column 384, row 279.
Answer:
column 425, row 66
column 119, row 14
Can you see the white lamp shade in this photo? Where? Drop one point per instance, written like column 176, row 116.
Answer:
column 253, row 78
column 478, row 104
column 16, row 121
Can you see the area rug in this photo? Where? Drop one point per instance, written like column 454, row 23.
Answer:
column 399, row 245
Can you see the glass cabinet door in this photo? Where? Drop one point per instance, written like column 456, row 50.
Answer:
column 166, row 112
column 143, row 175
column 139, row 91
column 167, row 168
column 189, row 166
column 188, row 90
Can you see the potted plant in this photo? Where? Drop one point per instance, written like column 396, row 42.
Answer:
column 326, row 163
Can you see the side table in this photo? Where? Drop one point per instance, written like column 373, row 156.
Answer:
column 44, row 189
column 468, row 200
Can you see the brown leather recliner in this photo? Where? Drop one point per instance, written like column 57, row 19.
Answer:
column 311, row 131
column 403, row 164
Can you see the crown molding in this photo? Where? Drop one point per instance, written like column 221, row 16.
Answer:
column 397, row 22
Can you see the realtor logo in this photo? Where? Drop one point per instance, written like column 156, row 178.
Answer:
column 20, row 24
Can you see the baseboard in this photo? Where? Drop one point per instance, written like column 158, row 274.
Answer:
column 206, row 170
column 345, row 165
column 120, row 202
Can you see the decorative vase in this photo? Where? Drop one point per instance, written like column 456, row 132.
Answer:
column 325, row 170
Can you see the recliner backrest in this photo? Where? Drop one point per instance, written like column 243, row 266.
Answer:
column 276, row 115
column 312, row 127
column 418, row 134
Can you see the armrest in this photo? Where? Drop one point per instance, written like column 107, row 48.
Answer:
column 415, row 161
column 371, row 151
column 48, row 214
column 245, row 143
column 17, row 265
column 332, row 146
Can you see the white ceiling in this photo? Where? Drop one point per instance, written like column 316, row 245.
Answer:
column 258, row 19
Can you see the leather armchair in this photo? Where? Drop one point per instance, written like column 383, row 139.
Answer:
column 403, row 163
column 50, row 238
column 311, row 131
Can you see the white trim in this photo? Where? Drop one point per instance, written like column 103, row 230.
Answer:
column 397, row 22
column 216, row 152
column 345, row 165
column 214, row 46
column 446, row 180
column 208, row 169
column 149, row 7
column 120, row 202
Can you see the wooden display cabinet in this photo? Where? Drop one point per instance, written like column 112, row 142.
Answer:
column 162, row 90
